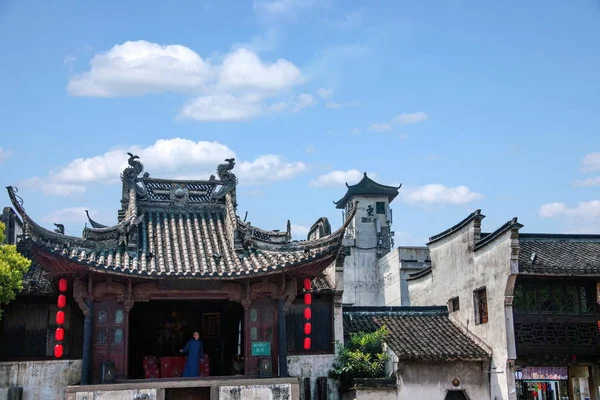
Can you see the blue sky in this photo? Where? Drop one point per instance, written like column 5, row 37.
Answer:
column 468, row 104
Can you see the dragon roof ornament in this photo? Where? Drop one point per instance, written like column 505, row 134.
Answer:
column 131, row 177
column 227, row 177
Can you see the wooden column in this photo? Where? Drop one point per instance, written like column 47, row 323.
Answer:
column 86, row 361
column 283, row 369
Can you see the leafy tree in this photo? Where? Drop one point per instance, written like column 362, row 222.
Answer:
column 361, row 357
column 12, row 268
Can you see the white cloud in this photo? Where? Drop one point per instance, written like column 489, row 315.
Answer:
column 410, row 118
column 440, row 194
column 67, row 215
column 52, row 188
column 589, row 209
column 281, row 8
column 339, row 178
column 324, row 93
column 136, row 68
column 238, row 88
column 588, row 182
column 267, row 169
column 4, row 154
column 590, row 163
column 225, row 107
column 166, row 158
column 299, row 232
column 243, row 69
column 384, row 127
column 355, row 131
column 403, row 136
column 302, row 101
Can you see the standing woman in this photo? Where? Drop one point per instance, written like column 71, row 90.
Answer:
column 195, row 351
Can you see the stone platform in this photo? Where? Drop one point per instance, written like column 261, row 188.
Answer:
column 213, row 388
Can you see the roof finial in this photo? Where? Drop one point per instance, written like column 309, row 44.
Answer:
column 365, row 174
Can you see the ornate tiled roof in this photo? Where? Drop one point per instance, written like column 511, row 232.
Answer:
column 179, row 228
column 367, row 187
column 559, row 254
column 423, row 334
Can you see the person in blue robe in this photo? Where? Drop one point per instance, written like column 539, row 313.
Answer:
column 195, row 352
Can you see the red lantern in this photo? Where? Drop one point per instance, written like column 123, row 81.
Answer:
column 307, row 299
column 59, row 334
column 58, row 351
column 307, row 284
column 60, row 318
column 62, row 285
column 307, row 343
column 307, row 328
column 307, row 313
column 62, row 300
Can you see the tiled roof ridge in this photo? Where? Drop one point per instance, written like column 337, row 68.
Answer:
column 558, row 236
column 418, row 337
column 397, row 310
column 175, row 243
column 32, row 228
column 511, row 224
column 419, row 274
column 362, row 186
column 474, row 215
column 93, row 223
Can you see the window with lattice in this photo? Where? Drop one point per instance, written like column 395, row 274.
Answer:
column 481, row 307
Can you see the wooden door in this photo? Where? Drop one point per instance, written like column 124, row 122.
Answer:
column 262, row 335
column 109, row 337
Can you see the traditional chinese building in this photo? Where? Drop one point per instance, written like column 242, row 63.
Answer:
column 531, row 298
column 180, row 260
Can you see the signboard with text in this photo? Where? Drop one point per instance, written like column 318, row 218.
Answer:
column 261, row 348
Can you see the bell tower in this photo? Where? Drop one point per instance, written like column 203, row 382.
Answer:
column 368, row 237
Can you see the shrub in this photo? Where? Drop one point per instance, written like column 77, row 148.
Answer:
column 361, row 357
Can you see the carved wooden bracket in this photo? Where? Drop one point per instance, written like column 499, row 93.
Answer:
column 80, row 294
column 291, row 291
column 269, row 288
column 110, row 288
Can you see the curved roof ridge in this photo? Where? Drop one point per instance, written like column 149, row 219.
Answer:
column 474, row 215
column 94, row 223
column 513, row 223
column 367, row 186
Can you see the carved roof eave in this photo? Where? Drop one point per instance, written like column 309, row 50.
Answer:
column 313, row 264
column 215, row 182
column 333, row 239
column 93, row 223
column 36, row 233
column 366, row 187
column 243, row 225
